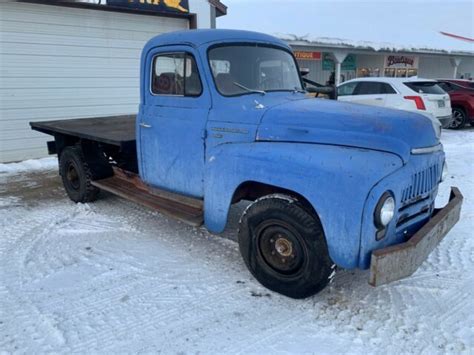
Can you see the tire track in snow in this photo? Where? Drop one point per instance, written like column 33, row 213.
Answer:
column 147, row 321
column 41, row 328
column 51, row 266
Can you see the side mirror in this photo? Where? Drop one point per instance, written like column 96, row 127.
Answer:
column 304, row 71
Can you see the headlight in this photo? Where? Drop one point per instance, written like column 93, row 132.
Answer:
column 384, row 211
column 444, row 174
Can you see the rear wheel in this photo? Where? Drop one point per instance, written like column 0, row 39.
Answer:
column 76, row 175
column 459, row 118
column 284, row 247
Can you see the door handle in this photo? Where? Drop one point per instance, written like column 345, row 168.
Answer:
column 379, row 98
column 144, row 125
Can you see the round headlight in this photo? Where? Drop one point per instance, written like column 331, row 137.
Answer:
column 385, row 210
column 444, row 174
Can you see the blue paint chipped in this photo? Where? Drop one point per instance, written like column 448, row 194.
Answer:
column 340, row 157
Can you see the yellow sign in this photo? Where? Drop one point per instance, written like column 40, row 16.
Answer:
column 153, row 5
column 174, row 4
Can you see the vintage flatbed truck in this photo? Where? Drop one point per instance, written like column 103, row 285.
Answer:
column 224, row 117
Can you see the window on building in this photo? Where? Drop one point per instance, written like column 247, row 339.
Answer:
column 412, row 72
column 176, row 74
column 389, row 72
column 368, row 72
column 400, row 72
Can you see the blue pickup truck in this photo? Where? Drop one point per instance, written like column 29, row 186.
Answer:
column 224, row 116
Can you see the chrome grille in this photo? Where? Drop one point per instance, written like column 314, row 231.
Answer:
column 422, row 182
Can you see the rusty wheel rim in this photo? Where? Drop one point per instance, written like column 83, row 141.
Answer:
column 72, row 176
column 280, row 247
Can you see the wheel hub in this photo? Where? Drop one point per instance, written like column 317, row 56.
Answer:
column 283, row 247
column 72, row 176
column 280, row 247
column 457, row 119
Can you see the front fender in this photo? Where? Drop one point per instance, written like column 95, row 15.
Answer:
column 335, row 180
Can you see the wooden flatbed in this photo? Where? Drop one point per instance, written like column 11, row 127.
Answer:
column 119, row 131
column 114, row 130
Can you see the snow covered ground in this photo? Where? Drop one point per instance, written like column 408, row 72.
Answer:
column 115, row 277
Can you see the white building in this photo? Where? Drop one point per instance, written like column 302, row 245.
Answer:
column 71, row 59
column 358, row 59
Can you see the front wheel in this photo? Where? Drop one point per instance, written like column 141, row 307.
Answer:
column 284, row 247
column 459, row 118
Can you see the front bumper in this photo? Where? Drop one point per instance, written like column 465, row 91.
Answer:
column 401, row 260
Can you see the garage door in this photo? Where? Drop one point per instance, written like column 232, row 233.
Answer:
column 61, row 62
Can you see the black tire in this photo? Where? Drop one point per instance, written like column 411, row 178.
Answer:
column 76, row 175
column 459, row 118
column 284, row 247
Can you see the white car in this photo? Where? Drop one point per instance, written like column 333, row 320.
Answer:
column 419, row 95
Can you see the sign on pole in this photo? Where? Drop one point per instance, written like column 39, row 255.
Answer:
column 348, row 64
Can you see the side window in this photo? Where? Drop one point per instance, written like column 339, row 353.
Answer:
column 388, row 89
column 370, row 88
column 175, row 74
column 346, row 89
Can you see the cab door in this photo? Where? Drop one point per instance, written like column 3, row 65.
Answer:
column 173, row 120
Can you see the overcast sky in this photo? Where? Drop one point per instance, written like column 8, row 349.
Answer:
column 401, row 22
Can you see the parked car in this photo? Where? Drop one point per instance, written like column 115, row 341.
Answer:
column 418, row 95
column 461, row 82
column 223, row 117
column 462, row 102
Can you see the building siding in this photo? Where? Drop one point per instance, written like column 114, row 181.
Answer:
column 59, row 62
column 435, row 67
column 466, row 68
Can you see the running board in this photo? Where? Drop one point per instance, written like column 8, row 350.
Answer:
column 129, row 186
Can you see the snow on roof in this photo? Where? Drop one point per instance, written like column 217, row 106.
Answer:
column 334, row 42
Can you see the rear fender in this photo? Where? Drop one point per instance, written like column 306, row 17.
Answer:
column 335, row 180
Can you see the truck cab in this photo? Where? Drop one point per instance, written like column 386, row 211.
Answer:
column 224, row 117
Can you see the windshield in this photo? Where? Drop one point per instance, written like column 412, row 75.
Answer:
column 243, row 69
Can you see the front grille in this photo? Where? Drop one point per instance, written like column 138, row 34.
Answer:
column 422, row 182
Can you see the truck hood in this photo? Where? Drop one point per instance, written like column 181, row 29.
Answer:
column 336, row 123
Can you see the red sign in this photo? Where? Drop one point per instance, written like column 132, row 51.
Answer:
column 304, row 55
